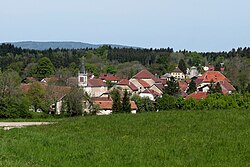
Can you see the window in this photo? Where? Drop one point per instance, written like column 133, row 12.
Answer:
column 81, row 79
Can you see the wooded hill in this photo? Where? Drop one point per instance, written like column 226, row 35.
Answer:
column 126, row 62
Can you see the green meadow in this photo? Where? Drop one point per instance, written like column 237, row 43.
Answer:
column 172, row 138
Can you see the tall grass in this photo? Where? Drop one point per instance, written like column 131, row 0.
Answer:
column 186, row 138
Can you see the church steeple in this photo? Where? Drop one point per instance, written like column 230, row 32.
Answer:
column 82, row 75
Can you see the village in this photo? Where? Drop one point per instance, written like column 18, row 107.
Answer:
column 144, row 83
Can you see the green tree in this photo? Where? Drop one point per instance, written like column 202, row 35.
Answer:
column 192, row 87
column 172, row 87
column 116, row 97
column 126, row 106
column 45, row 68
column 215, row 88
column 182, row 66
column 74, row 102
column 166, row 102
column 9, row 82
column 144, row 104
column 37, row 97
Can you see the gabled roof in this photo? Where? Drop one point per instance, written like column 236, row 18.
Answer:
column 150, row 91
column 50, row 79
column 177, row 70
column 145, row 74
column 197, row 95
column 226, row 87
column 214, row 76
column 96, row 83
column 160, row 86
column 109, row 77
column 107, row 105
column 183, row 85
column 128, row 83
column 143, row 83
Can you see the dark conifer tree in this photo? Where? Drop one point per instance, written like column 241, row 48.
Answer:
column 182, row 66
column 172, row 87
column 116, row 98
column 192, row 87
column 126, row 106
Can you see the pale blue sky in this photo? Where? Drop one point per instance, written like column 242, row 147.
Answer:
column 198, row 25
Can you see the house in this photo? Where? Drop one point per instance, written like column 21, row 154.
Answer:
column 144, row 80
column 149, row 93
column 198, row 95
column 56, row 94
column 178, row 74
column 166, row 77
column 125, row 84
column 110, row 78
column 213, row 77
column 105, row 106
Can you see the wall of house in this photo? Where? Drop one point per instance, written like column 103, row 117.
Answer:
column 59, row 107
column 137, row 84
column 150, row 96
column 104, row 112
column 133, row 111
column 178, row 75
column 156, row 89
column 96, row 91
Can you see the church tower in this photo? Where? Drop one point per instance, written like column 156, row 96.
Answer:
column 82, row 75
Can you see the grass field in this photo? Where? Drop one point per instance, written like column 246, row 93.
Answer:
column 190, row 138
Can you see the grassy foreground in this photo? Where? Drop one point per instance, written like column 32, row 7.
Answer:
column 191, row 138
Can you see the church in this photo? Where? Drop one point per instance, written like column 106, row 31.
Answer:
column 93, row 86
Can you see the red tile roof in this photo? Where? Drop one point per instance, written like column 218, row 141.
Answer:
column 197, row 95
column 143, row 83
column 159, row 86
column 105, row 104
column 183, row 85
column 214, row 76
column 128, row 83
column 96, row 83
column 109, row 77
column 145, row 74
column 150, row 91
column 226, row 87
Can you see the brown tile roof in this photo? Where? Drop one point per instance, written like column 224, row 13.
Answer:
column 108, row 105
column 177, row 70
column 109, row 77
column 197, row 95
column 128, row 83
column 96, row 83
column 145, row 74
column 143, row 83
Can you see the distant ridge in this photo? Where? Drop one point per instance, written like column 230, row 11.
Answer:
column 61, row 45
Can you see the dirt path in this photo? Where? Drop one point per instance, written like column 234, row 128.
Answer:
column 10, row 125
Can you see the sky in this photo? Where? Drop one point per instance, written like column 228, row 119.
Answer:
column 196, row 25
